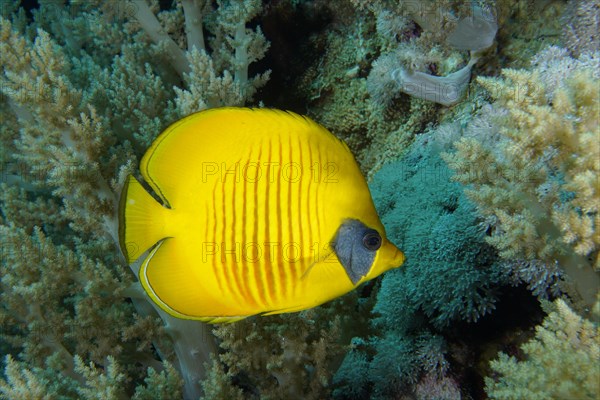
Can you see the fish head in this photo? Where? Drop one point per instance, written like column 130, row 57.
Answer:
column 364, row 252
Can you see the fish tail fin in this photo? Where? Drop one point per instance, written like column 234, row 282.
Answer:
column 141, row 220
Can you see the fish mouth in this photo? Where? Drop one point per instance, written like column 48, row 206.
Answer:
column 398, row 258
column 395, row 256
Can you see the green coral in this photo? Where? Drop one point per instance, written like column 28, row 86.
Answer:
column 352, row 378
column 561, row 362
column 450, row 271
column 451, row 274
column 526, row 28
column 335, row 86
column 84, row 88
column 282, row 356
column 24, row 383
column 164, row 385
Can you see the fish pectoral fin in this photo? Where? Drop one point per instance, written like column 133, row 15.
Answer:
column 305, row 274
column 329, row 257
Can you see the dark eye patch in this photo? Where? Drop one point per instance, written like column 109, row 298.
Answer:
column 355, row 246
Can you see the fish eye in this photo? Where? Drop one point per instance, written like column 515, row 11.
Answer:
column 372, row 240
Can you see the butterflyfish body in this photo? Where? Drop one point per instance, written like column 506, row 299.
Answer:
column 253, row 211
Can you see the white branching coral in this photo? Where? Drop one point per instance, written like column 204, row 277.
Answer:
column 84, row 88
column 218, row 78
column 537, row 174
column 561, row 362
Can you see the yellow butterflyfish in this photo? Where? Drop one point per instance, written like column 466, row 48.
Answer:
column 253, row 211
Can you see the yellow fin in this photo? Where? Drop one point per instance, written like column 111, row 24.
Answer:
column 141, row 220
column 176, row 157
column 329, row 253
column 195, row 148
column 222, row 320
column 177, row 286
column 287, row 310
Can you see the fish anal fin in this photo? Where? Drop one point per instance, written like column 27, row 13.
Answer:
column 177, row 285
column 222, row 320
column 287, row 310
column 168, row 277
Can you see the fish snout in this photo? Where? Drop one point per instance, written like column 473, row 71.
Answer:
column 398, row 258
column 389, row 257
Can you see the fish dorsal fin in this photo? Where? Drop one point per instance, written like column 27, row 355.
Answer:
column 198, row 146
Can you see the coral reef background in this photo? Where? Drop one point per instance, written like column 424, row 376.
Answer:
column 476, row 123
